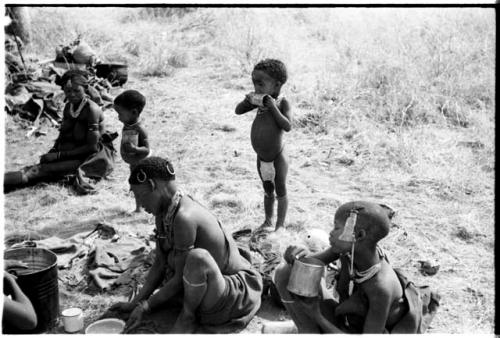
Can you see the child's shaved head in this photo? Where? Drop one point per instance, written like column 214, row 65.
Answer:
column 274, row 68
column 374, row 218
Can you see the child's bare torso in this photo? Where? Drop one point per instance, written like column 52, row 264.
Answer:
column 266, row 136
column 357, row 303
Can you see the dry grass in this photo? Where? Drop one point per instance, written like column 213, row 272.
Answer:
column 390, row 105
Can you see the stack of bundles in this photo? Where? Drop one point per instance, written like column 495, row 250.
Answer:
column 33, row 92
column 78, row 52
column 42, row 96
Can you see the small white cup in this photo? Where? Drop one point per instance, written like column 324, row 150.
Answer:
column 72, row 319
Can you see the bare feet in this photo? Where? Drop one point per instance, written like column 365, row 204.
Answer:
column 279, row 229
column 266, row 226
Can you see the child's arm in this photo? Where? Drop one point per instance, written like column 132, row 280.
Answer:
column 379, row 300
column 17, row 311
column 294, row 252
column 326, row 256
column 282, row 115
column 142, row 148
column 244, row 106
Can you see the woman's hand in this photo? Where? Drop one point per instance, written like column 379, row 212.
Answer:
column 294, row 252
column 49, row 157
column 123, row 307
column 135, row 319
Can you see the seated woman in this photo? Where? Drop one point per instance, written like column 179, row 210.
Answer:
column 78, row 139
column 373, row 297
column 195, row 258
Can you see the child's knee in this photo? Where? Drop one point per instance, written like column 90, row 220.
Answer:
column 281, row 276
column 197, row 259
column 268, row 188
column 281, row 190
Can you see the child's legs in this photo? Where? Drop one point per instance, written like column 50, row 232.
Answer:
column 305, row 324
column 137, row 205
column 268, row 196
column 50, row 171
column 281, row 166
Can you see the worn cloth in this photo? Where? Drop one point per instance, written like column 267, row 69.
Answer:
column 239, row 303
column 267, row 171
column 242, row 295
column 422, row 307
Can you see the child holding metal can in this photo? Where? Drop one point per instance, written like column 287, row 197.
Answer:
column 373, row 296
column 272, row 118
column 134, row 145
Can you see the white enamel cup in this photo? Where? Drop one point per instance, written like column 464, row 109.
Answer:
column 72, row 319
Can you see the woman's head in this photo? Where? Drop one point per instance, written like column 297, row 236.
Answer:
column 151, row 180
column 74, row 83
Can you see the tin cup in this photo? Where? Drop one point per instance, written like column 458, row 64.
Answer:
column 257, row 99
column 305, row 277
column 72, row 319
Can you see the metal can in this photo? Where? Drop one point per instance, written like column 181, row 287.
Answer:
column 257, row 99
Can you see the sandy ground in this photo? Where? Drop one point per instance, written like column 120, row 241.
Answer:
column 195, row 126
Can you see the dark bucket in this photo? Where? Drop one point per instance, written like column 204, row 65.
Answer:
column 115, row 73
column 39, row 282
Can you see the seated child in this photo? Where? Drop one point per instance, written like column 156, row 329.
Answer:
column 273, row 116
column 134, row 145
column 18, row 312
column 373, row 297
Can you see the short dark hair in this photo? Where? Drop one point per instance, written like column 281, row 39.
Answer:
column 274, row 68
column 79, row 77
column 131, row 99
column 150, row 168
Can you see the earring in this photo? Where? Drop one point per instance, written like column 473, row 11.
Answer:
column 141, row 176
column 170, row 169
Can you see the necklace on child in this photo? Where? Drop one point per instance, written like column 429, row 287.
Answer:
column 132, row 125
column 359, row 277
column 74, row 113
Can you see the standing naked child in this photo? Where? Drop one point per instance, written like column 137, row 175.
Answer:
column 134, row 146
column 273, row 116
